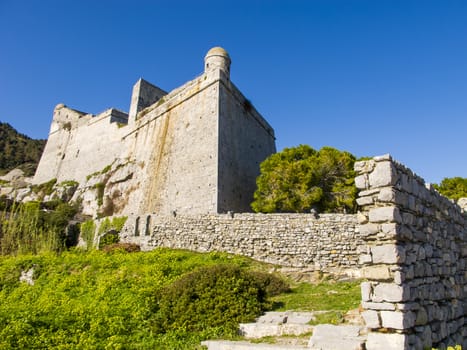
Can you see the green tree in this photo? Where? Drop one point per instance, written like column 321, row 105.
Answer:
column 453, row 187
column 300, row 178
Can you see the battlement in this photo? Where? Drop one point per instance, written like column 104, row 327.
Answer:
column 68, row 119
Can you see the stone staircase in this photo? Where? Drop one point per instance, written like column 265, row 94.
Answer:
column 288, row 330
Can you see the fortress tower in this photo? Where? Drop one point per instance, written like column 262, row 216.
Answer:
column 194, row 150
column 217, row 59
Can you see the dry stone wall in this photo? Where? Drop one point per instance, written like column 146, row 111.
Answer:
column 415, row 260
column 327, row 243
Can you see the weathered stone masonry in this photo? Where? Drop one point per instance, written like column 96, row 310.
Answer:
column 299, row 240
column 415, row 297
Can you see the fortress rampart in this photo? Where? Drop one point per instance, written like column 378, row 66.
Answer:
column 329, row 242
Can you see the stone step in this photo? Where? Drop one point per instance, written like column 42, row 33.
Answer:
column 244, row 345
column 278, row 324
column 260, row 330
column 331, row 337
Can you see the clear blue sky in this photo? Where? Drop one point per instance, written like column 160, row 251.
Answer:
column 370, row 77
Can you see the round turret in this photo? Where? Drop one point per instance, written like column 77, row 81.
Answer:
column 217, row 58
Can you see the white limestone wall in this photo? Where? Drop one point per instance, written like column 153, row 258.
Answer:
column 175, row 142
column 245, row 140
column 80, row 144
column 144, row 95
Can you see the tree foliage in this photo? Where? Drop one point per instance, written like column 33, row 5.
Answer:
column 453, row 187
column 301, row 178
column 18, row 150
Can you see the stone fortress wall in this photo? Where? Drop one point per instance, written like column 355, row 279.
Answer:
column 415, row 260
column 327, row 243
column 80, row 144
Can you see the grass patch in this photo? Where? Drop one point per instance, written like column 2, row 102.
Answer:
column 329, row 295
column 328, row 317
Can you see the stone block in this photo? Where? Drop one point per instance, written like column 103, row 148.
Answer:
column 390, row 292
column 299, row 317
column 364, row 259
column 384, row 174
column 273, row 318
column 397, row 319
column 330, row 337
column 387, row 341
column 388, row 254
column 390, row 230
column 371, row 319
column 243, row 345
column 408, row 219
column 421, row 318
column 365, row 289
column 385, row 214
column 369, row 229
column 364, row 166
column 378, row 306
column 399, row 277
column 361, row 201
column 387, row 194
column 362, row 218
column 376, row 273
column 383, row 157
column 361, row 182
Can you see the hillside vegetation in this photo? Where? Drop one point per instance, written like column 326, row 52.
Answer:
column 18, row 150
column 164, row 299
column 157, row 300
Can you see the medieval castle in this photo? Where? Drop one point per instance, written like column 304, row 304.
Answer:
column 194, row 150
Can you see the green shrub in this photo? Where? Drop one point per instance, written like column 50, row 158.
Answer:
column 109, row 229
column 69, row 183
column 272, row 284
column 126, row 247
column 109, row 238
column 115, row 224
column 100, row 187
column 45, row 188
column 60, row 216
column 25, row 229
column 87, row 232
column 210, row 297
